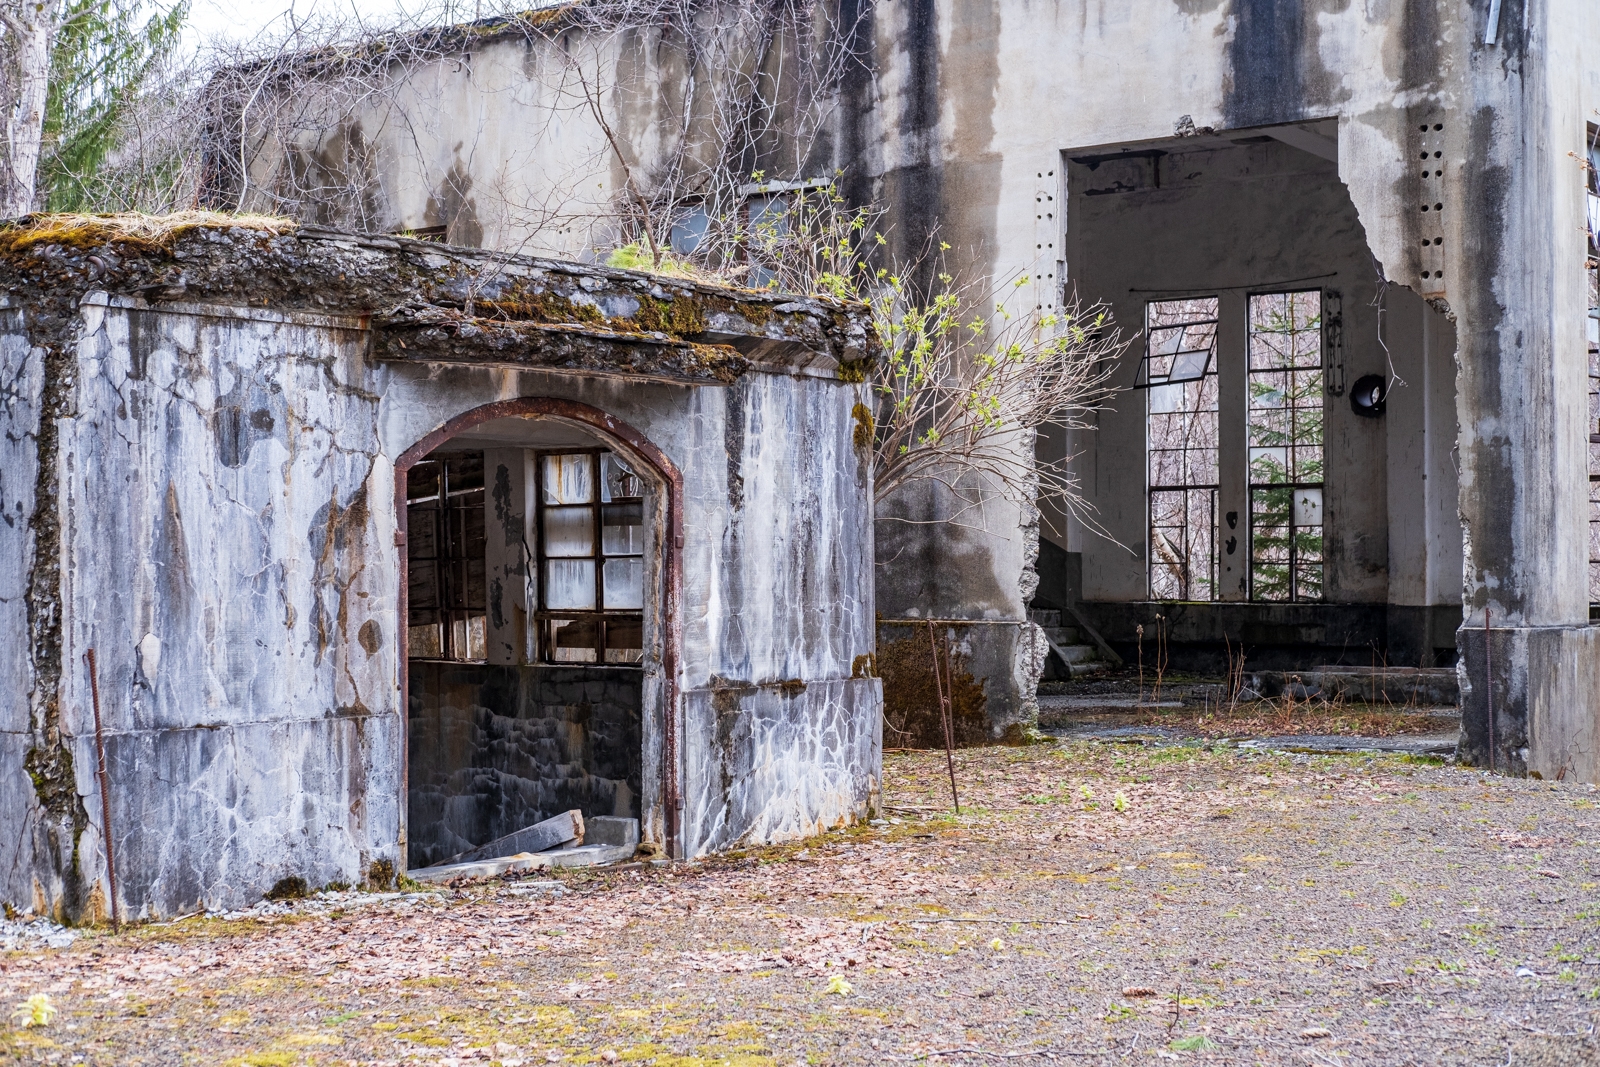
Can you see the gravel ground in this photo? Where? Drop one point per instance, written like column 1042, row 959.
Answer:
column 1093, row 903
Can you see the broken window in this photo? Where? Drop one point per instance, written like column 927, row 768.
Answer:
column 1286, row 445
column 689, row 229
column 1180, row 375
column 445, row 553
column 591, row 558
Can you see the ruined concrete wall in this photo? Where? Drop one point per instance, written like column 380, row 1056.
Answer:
column 488, row 134
column 218, row 488
column 1517, row 286
column 1211, row 217
column 777, row 595
column 41, row 838
column 226, row 488
column 223, row 503
column 497, row 748
column 976, row 104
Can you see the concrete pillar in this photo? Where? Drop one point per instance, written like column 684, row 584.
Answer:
column 1233, row 447
column 1515, row 246
column 505, row 521
column 1424, row 571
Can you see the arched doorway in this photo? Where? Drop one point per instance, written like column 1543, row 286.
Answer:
column 538, row 605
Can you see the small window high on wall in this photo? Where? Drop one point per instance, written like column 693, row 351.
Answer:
column 1285, row 424
column 591, row 559
column 1179, row 373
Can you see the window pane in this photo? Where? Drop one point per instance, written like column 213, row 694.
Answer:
column 622, row 529
column 425, row 641
column 569, row 584
column 568, row 479
column 1182, row 552
column 569, row 531
column 618, row 482
column 470, row 640
column 1308, row 507
column 572, row 640
column 422, row 482
column 690, row 230
column 625, row 639
column 624, row 583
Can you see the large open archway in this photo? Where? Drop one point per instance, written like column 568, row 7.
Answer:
column 553, row 474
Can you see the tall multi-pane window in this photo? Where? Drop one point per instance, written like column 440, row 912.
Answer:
column 591, row 559
column 1285, row 421
column 1592, row 331
column 446, row 571
column 1179, row 374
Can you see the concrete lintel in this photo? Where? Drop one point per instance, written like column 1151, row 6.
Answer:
column 244, row 312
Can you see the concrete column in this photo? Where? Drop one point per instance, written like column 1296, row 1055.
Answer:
column 505, row 517
column 1515, row 249
column 1233, row 447
column 1424, row 528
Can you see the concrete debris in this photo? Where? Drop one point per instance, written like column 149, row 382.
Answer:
column 611, row 839
column 560, row 831
column 32, row 933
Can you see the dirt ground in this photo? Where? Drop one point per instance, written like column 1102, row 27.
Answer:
column 1093, row 903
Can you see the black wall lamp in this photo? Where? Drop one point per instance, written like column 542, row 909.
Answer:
column 1367, row 395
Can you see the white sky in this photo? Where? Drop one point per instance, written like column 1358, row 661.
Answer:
column 244, row 19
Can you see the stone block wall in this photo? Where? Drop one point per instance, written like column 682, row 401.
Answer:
column 496, row 748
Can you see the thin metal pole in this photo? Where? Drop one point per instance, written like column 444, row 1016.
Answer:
column 1488, row 682
column 105, row 789
column 945, row 715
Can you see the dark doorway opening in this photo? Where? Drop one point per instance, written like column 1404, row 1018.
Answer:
column 530, row 571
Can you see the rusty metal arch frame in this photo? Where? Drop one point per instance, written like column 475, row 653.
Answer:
column 640, row 447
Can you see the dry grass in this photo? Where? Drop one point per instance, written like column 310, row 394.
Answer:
column 1288, row 716
column 146, row 232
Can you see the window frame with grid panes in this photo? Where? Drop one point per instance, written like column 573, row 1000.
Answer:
column 1179, row 376
column 1592, row 345
column 590, row 575
column 446, row 568
column 1287, row 452
column 1277, row 388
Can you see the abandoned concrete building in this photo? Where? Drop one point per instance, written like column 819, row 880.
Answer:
column 268, row 489
column 1348, row 239
column 1353, row 246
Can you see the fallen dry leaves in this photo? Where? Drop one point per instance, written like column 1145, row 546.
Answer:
column 1235, row 907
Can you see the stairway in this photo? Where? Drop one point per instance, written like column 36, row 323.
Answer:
column 1072, row 655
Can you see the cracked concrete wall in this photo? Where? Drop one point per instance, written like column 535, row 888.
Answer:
column 777, row 588
column 225, row 490
column 225, row 521
column 38, row 843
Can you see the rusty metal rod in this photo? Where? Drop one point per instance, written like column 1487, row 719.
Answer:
column 946, row 714
column 1488, row 682
column 105, row 789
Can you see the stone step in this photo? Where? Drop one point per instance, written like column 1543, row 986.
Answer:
column 1079, row 653
column 1089, row 669
column 1045, row 618
column 1064, row 635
